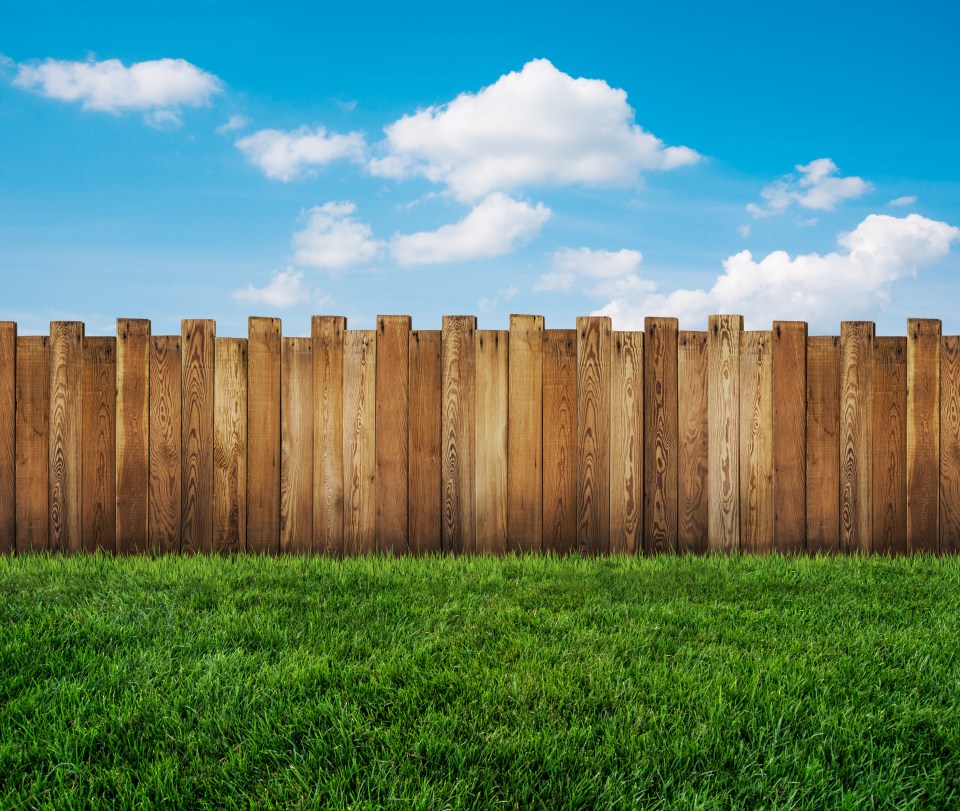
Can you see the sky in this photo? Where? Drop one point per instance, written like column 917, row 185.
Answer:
column 791, row 161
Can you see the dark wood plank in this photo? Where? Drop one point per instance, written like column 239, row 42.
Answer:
column 66, row 436
column 560, row 441
column 423, row 511
column 230, row 446
column 626, row 444
column 458, row 404
column 949, row 444
column 133, row 435
column 296, row 447
column 99, row 444
column 823, row 444
column 723, row 383
column 8, row 437
column 492, row 348
column 327, row 333
column 856, row 435
column 197, row 339
column 789, row 436
column 890, row 445
column 263, row 435
column 923, row 434
column 594, row 346
column 693, row 432
column 359, row 442
column 661, row 440
column 756, row 441
column 165, row 443
column 33, row 431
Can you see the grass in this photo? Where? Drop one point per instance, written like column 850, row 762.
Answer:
column 479, row 683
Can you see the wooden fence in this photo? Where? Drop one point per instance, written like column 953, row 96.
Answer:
column 464, row 440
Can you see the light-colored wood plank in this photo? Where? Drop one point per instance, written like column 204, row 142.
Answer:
column 230, row 446
column 458, row 415
column 327, row 333
column 66, row 436
column 296, row 448
column 492, row 348
column 99, row 444
column 923, row 434
column 423, row 409
column 823, row 444
column 660, row 458
column 856, row 435
column 789, row 436
column 890, row 446
column 8, row 437
column 359, row 442
column 693, row 432
column 723, row 379
column 165, row 443
column 393, row 383
column 197, row 339
column 949, row 444
column 560, row 441
column 33, row 431
column 594, row 347
column 133, row 435
column 626, row 444
column 263, row 435
column 756, row 441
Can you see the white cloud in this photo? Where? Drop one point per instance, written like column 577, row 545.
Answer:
column 487, row 304
column 909, row 200
column 163, row 119
column 496, row 225
column 744, row 231
column 818, row 187
column 600, row 273
column 853, row 281
column 289, row 155
column 235, row 122
column 333, row 240
column 534, row 127
column 285, row 289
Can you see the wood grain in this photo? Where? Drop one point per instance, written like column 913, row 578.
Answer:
column 626, row 443
column 165, row 443
column 789, row 436
column 923, row 434
column 559, row 441
column 756, row 441
column 693, row 432
column 8, row 437
column 33, row 430
column 423, row 409
column 197, row 339
column 359, row 442
column 392, row 437
column 133, row 435
column 890, row 445
column 327, row 333
column 594, row 346
column 66, row 436
column 823, row 444
column 263, row 435
column 99, row 444
column 723, row 384
column 661, row 436
column 296, row 447
column 492, row 348
column 949, row 444
column 856, row 435
column 458, row 404
column 230, row 446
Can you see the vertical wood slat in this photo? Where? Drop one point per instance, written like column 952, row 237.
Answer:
column 423, row 409
column 99, row 444
column 949, row 444
column 263, row 435
column 33, row 429
column 197, row 359
column 458, row 404
column 693, row 434
column 823, row 444
column 594, row 346
column 789, row 435
column 560, row 440
column 66, row 426
column 133, row 435
column 230, row 446
column 492, row 348
column 756, row 441
column 8, row 437
column 327, row 334
column 626, row 443
column 359, row 442
column 890, row 445
column 856, row 435
column 296, row 446
column 723, row 358
column 165, row 444
column 392, row 431
column 923, row 434
column 660, row 420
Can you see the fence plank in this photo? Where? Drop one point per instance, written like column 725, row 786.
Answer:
column 626, row 443
column 693, row 433
column 559, row 440
column 133, row 435
column 165, row 443
column 789, row 435
column 856, row 435
column 359, row 442
column 99, row 445
column 230, row 446
column 756, row 441
column 661, row 428
column 459, row 397
column 890, row 445
column 66, row 436
column 949, row 444
column 8, row 437
column 492, row 347
column 327, row 333
column 263, row 435
column 393, row 373
column 823, row 444
column 423, row 511
column 723, row 358
column 923, row 434
column 33, row 431
column 594, row 344
column 197, row 338
column 296, row 446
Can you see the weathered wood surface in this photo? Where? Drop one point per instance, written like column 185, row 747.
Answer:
column 923, row 434
column 661, row 440
column 949, row 466
column 133, row 435
column 890, row 445
column 99, row 474
column 33, row 431
column 560, row 440
column 458, row 408
column 594, row 345
column 423, row 410
column 230, row 446
column 723, row 372
column 823, row 444
column 296, row 446
column 264, row 403
column 328, row 504
column 492, row 348
column 693, row 432
column 856, row 435
column 392, row 435
column 359, row 438
column 165, row 443
column 197, row 339
column 626, row 444
column 66, row 436
column 789, row 370
column 8, row 437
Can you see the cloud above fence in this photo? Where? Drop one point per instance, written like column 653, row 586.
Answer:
column 818, row 187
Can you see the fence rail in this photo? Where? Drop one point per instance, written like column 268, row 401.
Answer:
column 464, row 440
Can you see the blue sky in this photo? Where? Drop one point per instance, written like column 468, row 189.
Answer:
column 218, row 159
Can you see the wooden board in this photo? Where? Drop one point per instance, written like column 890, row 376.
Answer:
column 949, row 444
column 693, row 434
column 458, row 409
column 296, row 447
column 99, row 444
column 626, row 443
column 423, row 410
column 923, row 434
column 559, row 440
column 33, row 429
column 789, row 436
column 263, row 435
column 133, row 435
column 723, row 384
column 165, row 443
column 594, row 344
column 393, row 383
column 661, row 429
column 359, row 442
column 525, row 460
column 756, row 441
column 492, row 347
column 8, row 437
column 823, row 444
column 856, row 435
column 197, row 338
column 66, row 437
column 890, row 445
column 327, row 333
column 230, row 446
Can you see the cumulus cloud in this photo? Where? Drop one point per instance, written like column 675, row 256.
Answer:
column 496, row 225
column 289, row 155
column 333, row 240
column 533, row 127
column 908, row 200
column 285, row 289
column 818, row 187
column 597, row 272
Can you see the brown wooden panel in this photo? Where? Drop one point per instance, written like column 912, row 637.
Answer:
column 949, row 444
column 693, row 433
column 723, row 384
column 133, row 435
column 66, row 436
column 856, row 435
column 560, row 440
column 923, row 434
column 393, row 383
column 626, row 443
column 756, row 441
column 230, row 446
column 359, row 442
column 594, row 345
column 458, row 404
column 296, row 448
column 263, row 435
column 492, row 347
column 327, row 333
column 99, row 444
column 165, row 443
column 660, row 457
column 789, row 436
column 33, row 430
column 8, row 437
column 823, row 444
column 423, row 513
column 197, row 339
column 890, row 445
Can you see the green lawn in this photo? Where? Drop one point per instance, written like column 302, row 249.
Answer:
column 480, row 683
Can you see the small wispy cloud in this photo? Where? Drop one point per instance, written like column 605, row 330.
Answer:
column 908, row 200
column 285, row 289
column 234, row 123
column 287, row 156
column 818, row 187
